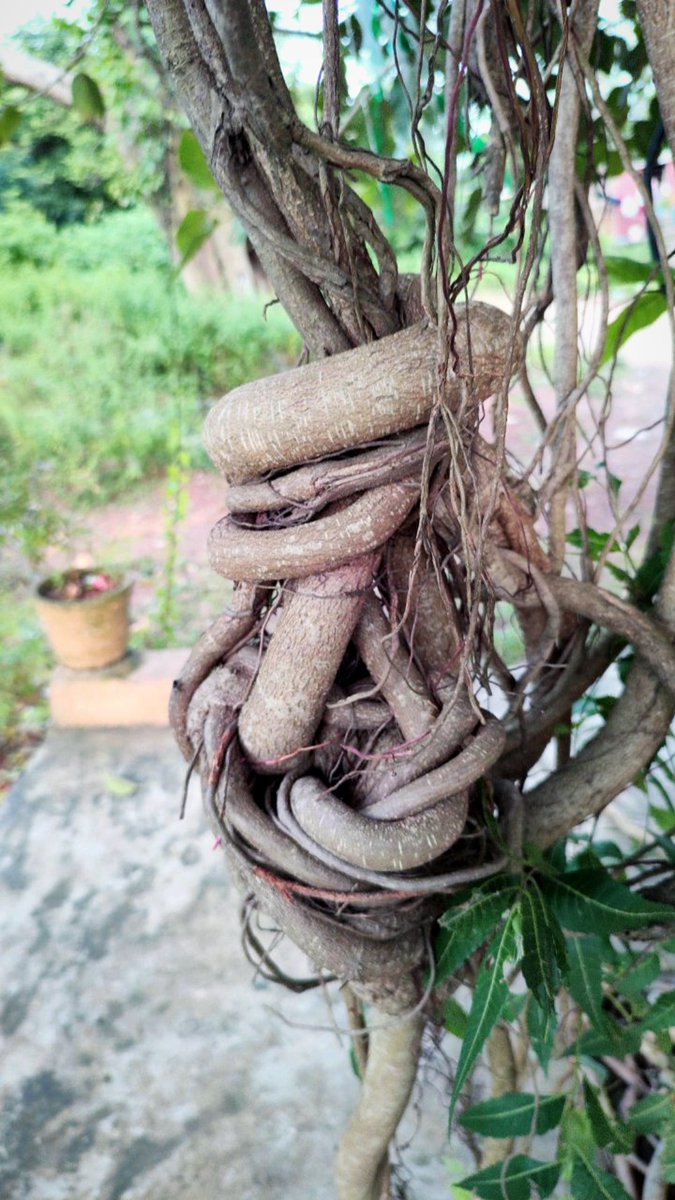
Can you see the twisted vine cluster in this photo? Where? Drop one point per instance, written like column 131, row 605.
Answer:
column 347, row 766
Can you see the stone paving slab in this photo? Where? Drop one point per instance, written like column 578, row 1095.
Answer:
column 140, row 1059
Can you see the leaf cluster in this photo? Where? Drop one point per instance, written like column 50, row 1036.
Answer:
column 560, row 928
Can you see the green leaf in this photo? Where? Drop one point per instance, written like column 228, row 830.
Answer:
column 10, row 119
column 544, row 954
column 590, row 901
column 514, row 1179
column 467, row 923
column 193, row 161
column 589, row 1182
column 650, row 573
column 490, row 996
column 585, row 975
column 87, row 98
column 195, row 228
column 641, row 312
column 609, row 1038
column 592, row 541
column 653, row 1113
column 625, row 270
column 515, row 1114
column 661, row 1014
column 542, row 1025
column 605, row 1131
column 638, row 976
column 454, row 1017
column 576, row 1137
column 117, row 785
column 668, row 1159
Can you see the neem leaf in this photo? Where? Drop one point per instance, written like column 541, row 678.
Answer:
column 87, row 98
column 515, row 1114
column 541, row 1027
column 589, row 1182
column 590, row 901
column 638, row 975
column 661, row 1014
column 626, row 270
column 470, row 920
column 514, row 1179
column 585, row 975
column 454, row 1017
column 10, row 119
column 639, row 313
column 195, row 228
column 609, row 1038
column 193, row 161
column 606, row 1132
column 490, row 996
column 544, row 954
column 652, row 1113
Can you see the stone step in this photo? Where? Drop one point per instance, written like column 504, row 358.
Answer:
column 134, row 691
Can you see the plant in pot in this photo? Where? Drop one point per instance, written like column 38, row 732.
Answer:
column 85, row 615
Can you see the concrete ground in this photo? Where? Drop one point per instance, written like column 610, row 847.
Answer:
column 140, row 1057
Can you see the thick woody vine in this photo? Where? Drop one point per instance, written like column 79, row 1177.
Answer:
column 353, row 761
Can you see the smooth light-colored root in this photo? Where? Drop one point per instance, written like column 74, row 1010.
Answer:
column 393, row 1055
column 456, row 720
column 397, row 678
column 322, row 545
column 399, row 845
column 353, row 398
column 286, row 703
column 455, row 775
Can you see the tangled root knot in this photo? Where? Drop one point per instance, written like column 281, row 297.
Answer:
column 345, row 762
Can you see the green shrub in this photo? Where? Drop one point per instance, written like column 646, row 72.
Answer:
column 99, row 358
column 26, row 236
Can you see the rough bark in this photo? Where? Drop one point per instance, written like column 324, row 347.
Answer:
column 657, row 18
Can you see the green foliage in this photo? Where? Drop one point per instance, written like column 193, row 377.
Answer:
column 653, row 1114
column 517, row 1178
column 595, row 963
column 468, row 920
column 590, row 1182
column 490, row 998
column 642, row 311
column 584, row 981
column 10, row 119
column 515, row 1114
column 544, row 961
column 96, row 364
column 87, row 97
column 590, row 901
column 195, row 229
column 25, row 662
column 193, row 161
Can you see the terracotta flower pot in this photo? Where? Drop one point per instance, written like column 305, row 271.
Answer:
column 85, row 615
